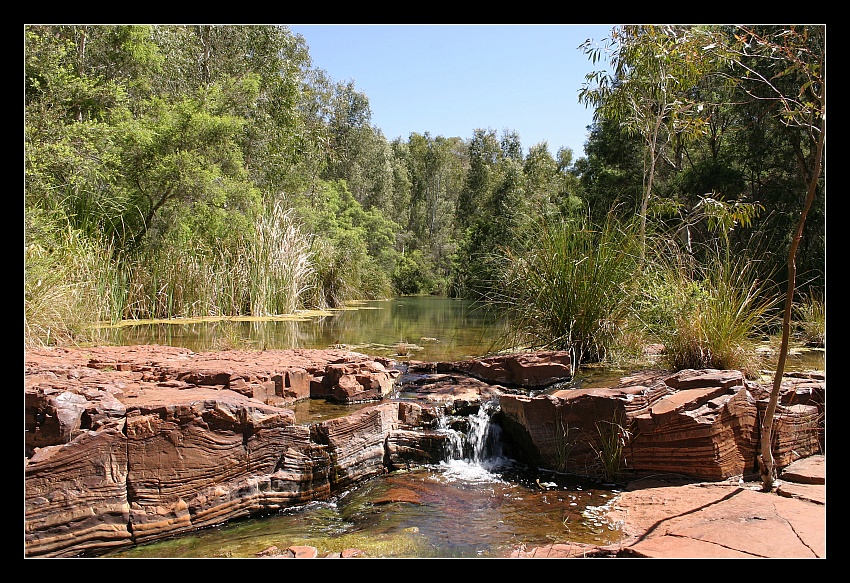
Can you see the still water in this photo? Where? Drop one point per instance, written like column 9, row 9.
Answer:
column 427, row 328
column 475, row 504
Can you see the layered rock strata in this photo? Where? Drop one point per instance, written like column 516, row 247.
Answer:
column 132, row 444
column 702, row 424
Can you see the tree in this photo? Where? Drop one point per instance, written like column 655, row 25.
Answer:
column 649, row 91
column 784, row 68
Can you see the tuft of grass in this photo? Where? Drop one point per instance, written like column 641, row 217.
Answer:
column 614, row 437
column 810, row 319
column 708, row 316
column 70, row 282
column 278, row 263
column 571, row 286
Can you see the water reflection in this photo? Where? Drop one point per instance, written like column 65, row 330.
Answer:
column 456, row 509
column 431, row 329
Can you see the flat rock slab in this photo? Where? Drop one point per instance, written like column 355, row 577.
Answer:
column 719, row 520
column 665, row 516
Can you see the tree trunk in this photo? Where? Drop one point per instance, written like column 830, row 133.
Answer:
column 767, row 467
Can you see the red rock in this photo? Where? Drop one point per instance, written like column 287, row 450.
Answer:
column 131, row 444
column 303, row 552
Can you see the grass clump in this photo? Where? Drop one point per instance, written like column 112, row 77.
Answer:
column 810, row 320
column 570, row 286
column 614, row 438
column 708, row 315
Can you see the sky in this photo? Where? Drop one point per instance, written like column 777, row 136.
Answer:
column 450, row 80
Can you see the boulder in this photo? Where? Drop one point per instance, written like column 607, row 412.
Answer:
column 523, row 369
column 76, row 494
column 356, row 443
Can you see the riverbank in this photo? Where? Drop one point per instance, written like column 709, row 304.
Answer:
column 665, row 517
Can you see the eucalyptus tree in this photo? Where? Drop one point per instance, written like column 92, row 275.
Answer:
column 484, row 153
column 571, row 197
column 80, row 84
column 492, row 211
column 552, row 187
column 541, row 171
column 649, row 92
column 784, row 68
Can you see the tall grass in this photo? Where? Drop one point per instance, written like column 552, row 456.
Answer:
column 571, row 286
column 614, row 438
column 810, row 319
column 279, row 265
column 707, row 315
column 266, row 272
column 70, row 281
column 73, row 280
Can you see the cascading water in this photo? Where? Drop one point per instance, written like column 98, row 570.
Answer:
column 473, row 455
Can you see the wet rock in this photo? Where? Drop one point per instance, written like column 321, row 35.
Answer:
column 398, row 495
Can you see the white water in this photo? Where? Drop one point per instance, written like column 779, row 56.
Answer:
column 474, row 456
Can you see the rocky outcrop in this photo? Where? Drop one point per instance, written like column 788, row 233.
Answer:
column 703, row 424
column 192, row 458
column 525, row 369
column 131, row 444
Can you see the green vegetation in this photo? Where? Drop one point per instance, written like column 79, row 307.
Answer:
column 613, row 439
column 709, row 315
column 570, row 286
column 811, row 320
column 194, row 171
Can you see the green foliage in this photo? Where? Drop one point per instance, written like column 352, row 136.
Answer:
column 810, row 312
column 571, row 285
column 354, row 248
column 613, row 439
column 70, row 281
column 197, row 170
column 707, row 316
column 412, row 274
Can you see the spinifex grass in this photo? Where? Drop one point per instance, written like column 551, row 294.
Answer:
column 571, row 286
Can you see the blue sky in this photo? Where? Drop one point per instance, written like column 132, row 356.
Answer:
column 452, row 79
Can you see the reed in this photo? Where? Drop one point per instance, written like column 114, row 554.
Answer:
column 278, row 262
column 266, row 272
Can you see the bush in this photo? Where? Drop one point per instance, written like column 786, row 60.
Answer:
column 707, row 316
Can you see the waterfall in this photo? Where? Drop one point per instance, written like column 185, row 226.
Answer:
column 474, row 453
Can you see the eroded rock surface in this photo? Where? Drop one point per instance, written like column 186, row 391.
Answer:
column 131, row 444
column 702, row 424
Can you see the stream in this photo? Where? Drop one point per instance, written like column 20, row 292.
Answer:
column 477, row 503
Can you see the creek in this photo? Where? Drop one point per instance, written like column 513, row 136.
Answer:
column 476, row 503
